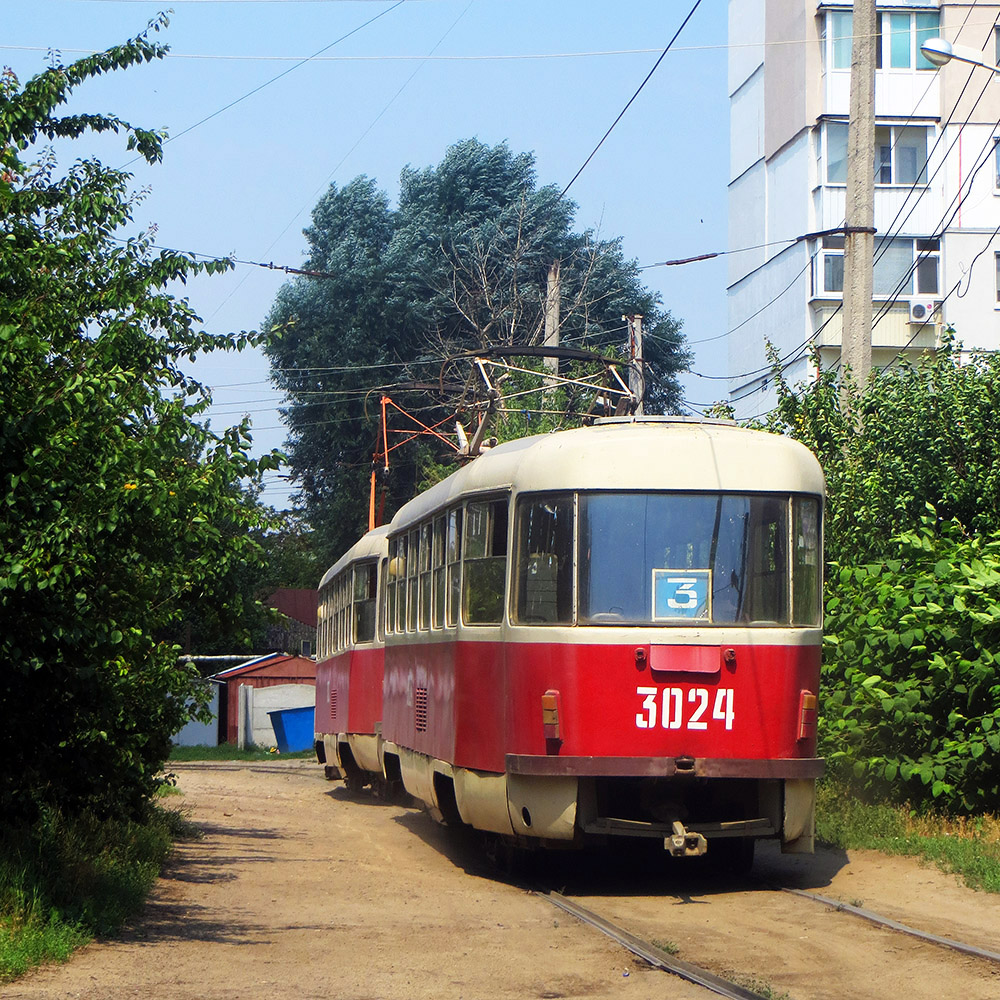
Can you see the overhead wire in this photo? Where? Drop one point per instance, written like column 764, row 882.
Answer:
column 357, row 143
column 279, row 76
column 628, row 104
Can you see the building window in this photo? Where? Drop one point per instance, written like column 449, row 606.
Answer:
column 902, row 267
column 928, row 257
column 833, row 263
column 996, row 257
column 899, row 36
column 996, row 163
column 900, row 153
column 841, row 38
column 836, row 152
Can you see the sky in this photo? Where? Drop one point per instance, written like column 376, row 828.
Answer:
column 546, row 76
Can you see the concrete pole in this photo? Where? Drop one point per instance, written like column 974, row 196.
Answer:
column 636, row 371
column 859, row 242
column 552, row 297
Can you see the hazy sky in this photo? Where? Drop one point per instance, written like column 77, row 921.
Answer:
column 399, row 91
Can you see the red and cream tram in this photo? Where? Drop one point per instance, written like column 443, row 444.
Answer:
column 612, row 631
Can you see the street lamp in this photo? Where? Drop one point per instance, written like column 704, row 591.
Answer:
column 939, row 52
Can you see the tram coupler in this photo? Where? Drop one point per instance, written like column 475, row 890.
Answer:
column 683, row 843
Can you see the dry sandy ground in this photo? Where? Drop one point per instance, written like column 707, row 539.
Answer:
column 298, row 890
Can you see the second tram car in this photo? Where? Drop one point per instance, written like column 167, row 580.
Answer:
column 612, row 631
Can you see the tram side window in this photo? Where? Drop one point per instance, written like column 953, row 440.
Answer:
column 343, row 603
column 453, row 558
column 322, row 650
column 404, row 544
column 767, row 562
column 807, row 581
column 485, row 562
column 364, row 605
column 545, row 561
column 391, row 568
column 437, row 568
column 412, row 579
column 425, row 576
column 330, row 625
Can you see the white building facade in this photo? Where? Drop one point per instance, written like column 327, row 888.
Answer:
column 937, row 186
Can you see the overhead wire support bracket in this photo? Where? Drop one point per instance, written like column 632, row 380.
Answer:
column 383, row 450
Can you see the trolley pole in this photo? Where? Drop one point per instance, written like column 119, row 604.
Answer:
column 859, row 240
column 636, row 370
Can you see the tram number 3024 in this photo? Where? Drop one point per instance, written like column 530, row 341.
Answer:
column 669, row 704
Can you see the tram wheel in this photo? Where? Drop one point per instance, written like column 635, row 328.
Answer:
column 354, row 782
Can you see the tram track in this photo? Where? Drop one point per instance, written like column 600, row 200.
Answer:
column 651, row 953
column 655, row 955
column 882, row 921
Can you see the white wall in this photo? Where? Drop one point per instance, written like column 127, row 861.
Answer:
column 780, row 288
column 255, row 703
column 975, row 315
column 201, row 734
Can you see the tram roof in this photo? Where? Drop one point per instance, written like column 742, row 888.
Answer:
column 371, row 545
column 632, row 453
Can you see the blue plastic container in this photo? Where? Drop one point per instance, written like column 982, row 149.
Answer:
column 293, row 728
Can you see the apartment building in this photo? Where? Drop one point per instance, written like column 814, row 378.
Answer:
column 937, row 185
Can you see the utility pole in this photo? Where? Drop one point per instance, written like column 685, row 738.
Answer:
column 859, row 241
column 552, row 295
column 636, row 371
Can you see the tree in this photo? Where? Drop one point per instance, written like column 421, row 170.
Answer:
column 460, row 265
column 923, row 432
column 117, row 504
column 910, row 704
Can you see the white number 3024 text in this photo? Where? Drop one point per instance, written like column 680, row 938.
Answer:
column 673, row 710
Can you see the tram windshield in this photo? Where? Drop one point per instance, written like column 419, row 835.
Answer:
column 671, row 559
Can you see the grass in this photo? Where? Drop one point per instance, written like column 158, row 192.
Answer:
column 63, row 883
column 755, row 985
column 966, row 846
column 668, row 946
column 226, row 751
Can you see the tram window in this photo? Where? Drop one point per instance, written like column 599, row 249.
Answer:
column 485, row 562
column 321, row 650
column 391, row 568
column 545, row 561
column 806, row 563
column 684, row 559
column 437, row 568
column 401, row 584
column 768, row 563
column 453, row 556
column 412, row 577
column 338, row 614
column 425, row 575
column 364, row 605
column 343, row 603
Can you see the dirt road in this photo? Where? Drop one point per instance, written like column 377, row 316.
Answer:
column 298, row 890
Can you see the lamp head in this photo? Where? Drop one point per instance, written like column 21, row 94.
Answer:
column 937, row 51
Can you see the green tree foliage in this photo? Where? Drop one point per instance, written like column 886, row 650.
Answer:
column 460, row 265
column 911, row 701
column 117, row 506
column 924, row 432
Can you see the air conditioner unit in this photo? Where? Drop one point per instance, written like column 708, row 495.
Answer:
column 922, row 310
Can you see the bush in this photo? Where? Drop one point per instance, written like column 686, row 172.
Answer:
column 64, row 881
column 911, row 704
